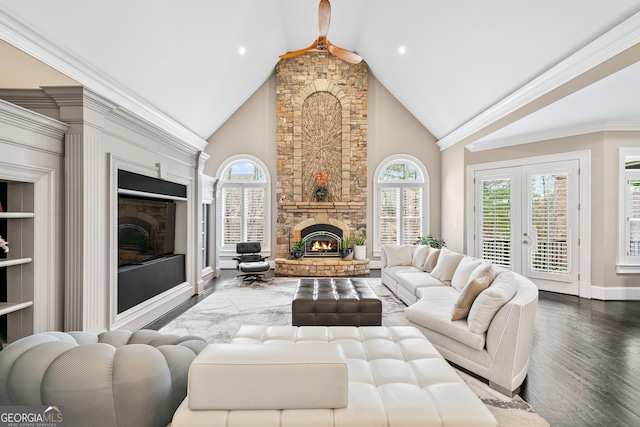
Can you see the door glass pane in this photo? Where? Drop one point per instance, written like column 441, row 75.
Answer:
column 495, row 220
column 549, row 223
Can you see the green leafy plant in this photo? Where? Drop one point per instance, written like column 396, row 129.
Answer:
column 299, row 245
column 359, row 240
column 346, row 242
column 432, row 241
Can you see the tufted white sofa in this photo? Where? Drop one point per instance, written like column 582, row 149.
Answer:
column 492, row 331
column 116, row 378
column 318, row 376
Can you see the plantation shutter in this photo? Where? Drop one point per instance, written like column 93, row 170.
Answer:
column 254, row 212
column 495, row 229
column 549, row 223
column 411, row 214
column 231, row 215
column 389, row 207
column 633, row 217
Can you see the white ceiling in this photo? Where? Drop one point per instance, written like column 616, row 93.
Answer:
column 468, row 63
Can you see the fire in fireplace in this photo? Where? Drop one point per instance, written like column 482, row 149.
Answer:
column 322, row 240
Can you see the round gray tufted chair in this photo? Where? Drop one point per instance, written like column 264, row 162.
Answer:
column 116, row 378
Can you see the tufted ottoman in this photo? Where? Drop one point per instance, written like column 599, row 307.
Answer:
column 395, row 378
column 335, row 302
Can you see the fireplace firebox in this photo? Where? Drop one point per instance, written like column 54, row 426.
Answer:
column 322, row 240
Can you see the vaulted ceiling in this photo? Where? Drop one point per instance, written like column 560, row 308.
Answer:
column 493, row 72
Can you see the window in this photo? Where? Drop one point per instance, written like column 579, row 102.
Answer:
column 401, row 201
column 244, row 203
column 632, row 229
column 629, row 248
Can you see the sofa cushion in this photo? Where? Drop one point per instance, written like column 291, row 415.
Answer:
column 433, row 312
column 431, row 260
column 412, row 281
column 490, row 301
column 394, row 272
column 446, row 265
column 467, row 297
column 256, row 376
column 420, row 255
column 398, row 255
column 461, row 276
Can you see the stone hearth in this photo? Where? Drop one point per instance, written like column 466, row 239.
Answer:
column 321, row 267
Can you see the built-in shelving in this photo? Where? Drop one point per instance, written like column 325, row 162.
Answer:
column 16, row 215
column 10, row 307
column 17, row 261
column 17, row 265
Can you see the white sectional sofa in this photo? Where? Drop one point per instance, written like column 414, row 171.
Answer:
column 319, row 376
column 479, row 316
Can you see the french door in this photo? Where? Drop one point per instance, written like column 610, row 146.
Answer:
column 526, row 220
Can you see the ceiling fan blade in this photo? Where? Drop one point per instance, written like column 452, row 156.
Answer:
column 324, row 18
column 345, row 55
column 299, row 52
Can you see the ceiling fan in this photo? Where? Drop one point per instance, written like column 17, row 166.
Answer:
column 322, row 43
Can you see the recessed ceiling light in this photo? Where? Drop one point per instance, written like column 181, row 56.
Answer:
column 402, row 50
column 241, row 50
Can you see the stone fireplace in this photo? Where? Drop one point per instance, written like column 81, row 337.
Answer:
column 321, row 108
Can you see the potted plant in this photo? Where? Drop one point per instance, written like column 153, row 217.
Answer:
column 298, row 249
column 346, row 252
column 432, row 241
column 359, row 248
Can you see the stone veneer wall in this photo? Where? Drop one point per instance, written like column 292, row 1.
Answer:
column 334, row 140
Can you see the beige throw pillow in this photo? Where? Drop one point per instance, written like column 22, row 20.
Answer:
column 490, row 301
column 467, row 297
column 420, row 255
column 464, row 269
column 431, row 261
column 446, row 265
column 484, row 270
column 397, row 255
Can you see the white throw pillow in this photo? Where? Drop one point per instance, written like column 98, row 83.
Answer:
column 431, row 261
column 398, row 255
column 461, row 276
column 490, row 301
column 420, row 255
column 446, row 265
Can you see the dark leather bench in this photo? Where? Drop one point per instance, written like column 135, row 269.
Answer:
column 335, row 302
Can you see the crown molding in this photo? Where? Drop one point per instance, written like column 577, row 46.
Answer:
column 605, row 47
column 628, row 125
column 18, row 34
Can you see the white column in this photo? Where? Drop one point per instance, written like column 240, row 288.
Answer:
column 86, row 233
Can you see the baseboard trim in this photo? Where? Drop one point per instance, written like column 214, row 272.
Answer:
column 613, row 294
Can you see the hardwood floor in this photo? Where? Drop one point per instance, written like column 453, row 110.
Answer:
column 585, row 361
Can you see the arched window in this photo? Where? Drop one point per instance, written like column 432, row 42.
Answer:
column 401, row 201
column 244, row 203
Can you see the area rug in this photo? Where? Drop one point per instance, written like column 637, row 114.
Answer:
column 237, row 303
